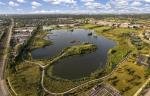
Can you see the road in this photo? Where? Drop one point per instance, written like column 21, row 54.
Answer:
column 3, row 86
column 140, row 89
column 144, row 40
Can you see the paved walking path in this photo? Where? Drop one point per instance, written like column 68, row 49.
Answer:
column 139, row 91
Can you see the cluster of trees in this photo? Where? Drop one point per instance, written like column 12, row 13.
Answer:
column 24, row 52
column 135, row 40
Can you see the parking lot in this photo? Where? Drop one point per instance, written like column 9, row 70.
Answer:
column 103, row 90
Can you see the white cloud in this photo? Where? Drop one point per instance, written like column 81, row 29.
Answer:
column 92, row 4
column 87, row 0
column 13, row 4
column 95, row 6
column 119, row 3
column 136, row 3
column 35, row 4
column 61, row 1
column 21, row 1
column 147, row 1
column 86, row 6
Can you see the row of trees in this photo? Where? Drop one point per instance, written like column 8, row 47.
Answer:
column 24, row 51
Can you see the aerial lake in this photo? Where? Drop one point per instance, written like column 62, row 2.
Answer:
column 76, row 66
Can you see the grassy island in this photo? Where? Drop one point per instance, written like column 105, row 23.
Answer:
column 72, row 51
column 79, row 49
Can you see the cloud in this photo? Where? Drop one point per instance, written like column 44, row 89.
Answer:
column 13, row 4
column 92, row 4
column 119, row 3
column 35, row 4
column 83, row 6
column 147, row 1
column 87, row 0
column 136, row 3
column 21, row 1
column 56, row 2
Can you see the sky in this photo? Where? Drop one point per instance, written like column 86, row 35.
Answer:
column 74, row 6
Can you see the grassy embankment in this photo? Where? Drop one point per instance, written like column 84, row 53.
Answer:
column 128, row 77
column 56, row 84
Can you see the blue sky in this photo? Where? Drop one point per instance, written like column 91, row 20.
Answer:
column 74, row 6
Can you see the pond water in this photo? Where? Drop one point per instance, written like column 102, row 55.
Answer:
column 76, row 66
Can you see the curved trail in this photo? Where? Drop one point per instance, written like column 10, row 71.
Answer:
column 52, row 93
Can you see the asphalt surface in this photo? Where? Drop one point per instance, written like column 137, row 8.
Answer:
column 3, row 86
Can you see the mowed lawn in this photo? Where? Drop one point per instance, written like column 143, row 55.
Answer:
column 128, row 77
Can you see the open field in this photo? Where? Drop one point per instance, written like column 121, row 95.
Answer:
column 26, row 80
column 128, row 77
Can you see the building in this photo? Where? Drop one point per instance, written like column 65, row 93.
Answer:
column 103, row 90
column 124, row 25
column 146, row 35
column 143, row 60
column 134, row 26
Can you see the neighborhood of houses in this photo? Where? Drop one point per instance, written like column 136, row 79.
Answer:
column 20, row 35
column 143, row 60
column 115, row 24
column 146, row 35
column 103, row 90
